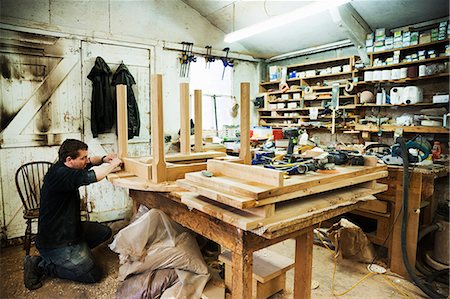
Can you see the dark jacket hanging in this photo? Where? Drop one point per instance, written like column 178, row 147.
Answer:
column 103, row 115
column 123, row 76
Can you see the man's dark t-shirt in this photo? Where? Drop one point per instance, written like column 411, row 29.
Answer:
column 59, row 213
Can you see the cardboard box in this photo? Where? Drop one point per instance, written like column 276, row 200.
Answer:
column 424, row 38
column 441, row 98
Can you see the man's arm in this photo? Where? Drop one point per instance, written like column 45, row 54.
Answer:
column 97, row 160
column 102, row 171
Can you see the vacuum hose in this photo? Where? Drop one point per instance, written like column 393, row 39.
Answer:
column 427, row 289
column 427, row 230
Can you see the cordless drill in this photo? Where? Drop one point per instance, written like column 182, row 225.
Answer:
column 291, row 134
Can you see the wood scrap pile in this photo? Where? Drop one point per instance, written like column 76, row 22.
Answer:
column 263, row 200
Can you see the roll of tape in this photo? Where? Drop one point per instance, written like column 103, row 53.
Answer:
column 308, row 90
column 386, row 75
column 395, row 74
column 349, row 87
column 368, row 75
column 377, row 75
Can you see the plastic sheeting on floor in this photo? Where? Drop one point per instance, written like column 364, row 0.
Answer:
column 154, row 242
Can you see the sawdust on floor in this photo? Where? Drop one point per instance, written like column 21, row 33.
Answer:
column 347, row 273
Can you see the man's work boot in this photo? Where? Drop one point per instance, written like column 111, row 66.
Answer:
column 32, row 274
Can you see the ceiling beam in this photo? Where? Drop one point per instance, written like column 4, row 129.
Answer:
column 349, row 21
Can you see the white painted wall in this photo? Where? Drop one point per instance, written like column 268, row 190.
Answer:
column 147, row 24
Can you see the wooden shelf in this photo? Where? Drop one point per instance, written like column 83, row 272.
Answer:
column 280, row 92
column 284, row 101
column 310, row 63
column 402, row 105
column 270, row 83
column 406, row 129
column 306, row 109
column 441, row 58
column 327, row 75
column 405, row 80
column 325, row 87
column 411, row 47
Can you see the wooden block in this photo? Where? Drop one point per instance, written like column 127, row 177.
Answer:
column 376, row 206
column 267, row 289
column 251, row 173
column 264, row 211
column 267, row 264
column 177, row 171
column 370, row 160
column 137, row 168
column 118, row 175
column 269, row 272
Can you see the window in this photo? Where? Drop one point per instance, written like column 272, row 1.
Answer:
column 217, row 93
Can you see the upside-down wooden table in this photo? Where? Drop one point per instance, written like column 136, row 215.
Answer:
column 240, row 207
column 243, row 243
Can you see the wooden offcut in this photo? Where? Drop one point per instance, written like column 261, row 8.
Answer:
column 258, row 174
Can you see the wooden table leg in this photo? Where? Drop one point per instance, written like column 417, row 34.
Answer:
column 303, row 265
column 242, row 264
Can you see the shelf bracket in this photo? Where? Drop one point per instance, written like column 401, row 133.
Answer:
column 350, row 22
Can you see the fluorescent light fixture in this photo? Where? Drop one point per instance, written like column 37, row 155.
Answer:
column 280, row 20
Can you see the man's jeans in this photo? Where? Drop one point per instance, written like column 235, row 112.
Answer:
column 75, row 261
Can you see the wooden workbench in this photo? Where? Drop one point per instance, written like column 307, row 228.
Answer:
column 243, row 243
column 422, row 204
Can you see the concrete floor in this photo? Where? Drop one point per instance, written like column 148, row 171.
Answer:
column 348, row 273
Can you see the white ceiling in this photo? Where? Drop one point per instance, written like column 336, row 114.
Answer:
column 315, row 30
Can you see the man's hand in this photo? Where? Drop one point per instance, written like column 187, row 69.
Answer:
column 102, row 171
column 108, row 158
column 115, row 162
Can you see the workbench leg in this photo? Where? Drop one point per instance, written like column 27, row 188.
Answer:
column 242, row 264
column 303, row 265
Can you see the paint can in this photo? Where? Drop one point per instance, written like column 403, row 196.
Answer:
column 403, row 72
column 412, row 71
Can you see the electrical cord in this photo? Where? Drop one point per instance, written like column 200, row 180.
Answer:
column 370, row 274
column 426, row 288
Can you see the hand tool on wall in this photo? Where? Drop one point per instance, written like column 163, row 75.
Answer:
column 226, row 62
column 208, row 57
column 186, row 58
